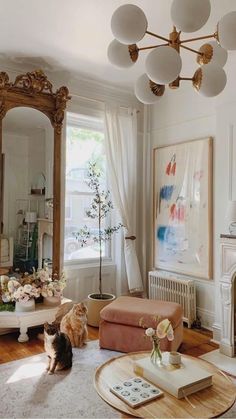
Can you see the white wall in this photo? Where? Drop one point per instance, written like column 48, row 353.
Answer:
column 185, row 115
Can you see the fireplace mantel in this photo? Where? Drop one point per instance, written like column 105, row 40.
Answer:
column 228, row 273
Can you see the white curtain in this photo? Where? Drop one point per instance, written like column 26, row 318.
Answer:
column 121, row 151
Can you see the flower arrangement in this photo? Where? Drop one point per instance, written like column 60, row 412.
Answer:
column 163, row 329
column 23, row 293
column 51, row 286
column 41, row 282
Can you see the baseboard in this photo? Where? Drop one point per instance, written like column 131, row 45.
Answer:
column 216, row 333
column 207, row 318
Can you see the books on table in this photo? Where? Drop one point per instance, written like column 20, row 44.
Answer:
column 180, row 381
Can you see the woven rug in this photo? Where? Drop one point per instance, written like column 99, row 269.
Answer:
column 27, row 391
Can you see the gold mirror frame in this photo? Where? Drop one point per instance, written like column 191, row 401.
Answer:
column 34, row 90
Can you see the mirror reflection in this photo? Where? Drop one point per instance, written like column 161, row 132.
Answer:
column 27, row 190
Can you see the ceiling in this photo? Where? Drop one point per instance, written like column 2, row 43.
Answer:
column 72, row 36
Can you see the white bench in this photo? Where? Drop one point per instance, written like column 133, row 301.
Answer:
column 24, row 320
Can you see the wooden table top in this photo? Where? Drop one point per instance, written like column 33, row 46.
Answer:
column 211, row 402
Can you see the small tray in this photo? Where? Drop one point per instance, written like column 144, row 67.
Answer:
column 136, row 391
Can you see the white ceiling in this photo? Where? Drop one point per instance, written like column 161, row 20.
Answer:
column 73, row 36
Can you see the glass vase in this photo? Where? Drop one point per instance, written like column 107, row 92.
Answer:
column 156, row 355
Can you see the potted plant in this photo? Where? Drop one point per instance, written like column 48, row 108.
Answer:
column 100, row 207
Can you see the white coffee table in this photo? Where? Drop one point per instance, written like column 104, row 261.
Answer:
column 24, row 320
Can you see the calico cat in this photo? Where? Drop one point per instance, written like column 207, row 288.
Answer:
column 58, row 348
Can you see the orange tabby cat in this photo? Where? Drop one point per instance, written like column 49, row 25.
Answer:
column 74, row 324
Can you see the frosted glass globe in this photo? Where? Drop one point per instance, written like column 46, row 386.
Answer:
column 144, row 92
column 118, row 54
column 209, row 80
column 128, row 24
column 163, row 65
column 227, row 31
column 190, row 15
column 213, row 53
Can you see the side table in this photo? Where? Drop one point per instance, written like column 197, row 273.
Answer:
column 24, row 320
column 210, row 402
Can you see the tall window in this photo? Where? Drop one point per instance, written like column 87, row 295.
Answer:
column 84, row 144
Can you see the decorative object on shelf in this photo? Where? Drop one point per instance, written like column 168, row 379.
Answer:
column 183, row 208
column 163, row 329
column 38, row 187
column 100, row 206
column 231, row 217
column 164, row 64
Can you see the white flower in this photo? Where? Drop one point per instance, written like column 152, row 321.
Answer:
column 28, row 288
column 150, row 332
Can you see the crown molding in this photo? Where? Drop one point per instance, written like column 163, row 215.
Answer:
column 80, row 87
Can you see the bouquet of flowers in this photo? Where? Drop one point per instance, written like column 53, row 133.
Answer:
column 23, row 293
column 6, row 294
column 163, row 329
column 51, row 286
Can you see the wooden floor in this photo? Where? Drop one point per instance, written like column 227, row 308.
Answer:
column 196, row 342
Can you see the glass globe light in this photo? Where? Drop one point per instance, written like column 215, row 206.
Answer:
column 209, row 80
column 128, row 24
column 212, row 53
column 119, row 54
column 148, row 92
column 163, row 65
column 190, row 15
column 226, row 29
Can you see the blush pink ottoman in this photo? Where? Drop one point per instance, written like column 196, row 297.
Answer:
column 120, row 328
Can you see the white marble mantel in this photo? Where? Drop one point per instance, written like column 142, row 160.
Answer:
column 228, row 273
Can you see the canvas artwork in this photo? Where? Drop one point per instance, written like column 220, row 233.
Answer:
column 183, row 208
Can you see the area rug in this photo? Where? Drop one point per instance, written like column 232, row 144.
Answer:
column 27, row 391
column 226, row 366
column 224, row 363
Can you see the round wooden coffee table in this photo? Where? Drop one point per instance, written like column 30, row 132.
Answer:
column 211, row 402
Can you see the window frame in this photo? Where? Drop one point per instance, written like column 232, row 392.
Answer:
column 96, row 122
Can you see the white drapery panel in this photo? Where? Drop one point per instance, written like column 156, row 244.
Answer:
column 121, row 151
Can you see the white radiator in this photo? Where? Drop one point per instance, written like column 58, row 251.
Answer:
column 163, row 286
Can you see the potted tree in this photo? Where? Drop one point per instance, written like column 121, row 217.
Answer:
column 100, row 207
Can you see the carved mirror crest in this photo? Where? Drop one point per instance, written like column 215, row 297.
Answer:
column 34, row 90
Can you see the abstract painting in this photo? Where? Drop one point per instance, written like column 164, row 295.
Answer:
column 183, row 208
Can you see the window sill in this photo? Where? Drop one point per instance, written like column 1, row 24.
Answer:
column 70, row 264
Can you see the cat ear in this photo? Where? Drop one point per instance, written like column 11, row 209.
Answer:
column 45, row 325
column 84, row 307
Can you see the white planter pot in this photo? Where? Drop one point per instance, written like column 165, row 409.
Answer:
column 95, row 304
column 25, row 306
column 52, row 301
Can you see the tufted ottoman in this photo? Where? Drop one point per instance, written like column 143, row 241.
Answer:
column 120, row 328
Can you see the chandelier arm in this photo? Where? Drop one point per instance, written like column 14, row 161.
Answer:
column 158, row 36
column 153, row 46
column 192, row 50
column 186, row 78
column 214, row 35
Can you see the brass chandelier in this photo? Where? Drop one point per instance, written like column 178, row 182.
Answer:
column 164, row 64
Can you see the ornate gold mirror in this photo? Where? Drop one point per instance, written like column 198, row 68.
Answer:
column 32, row 90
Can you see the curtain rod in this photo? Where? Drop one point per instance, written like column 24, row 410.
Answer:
column 100, row 101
